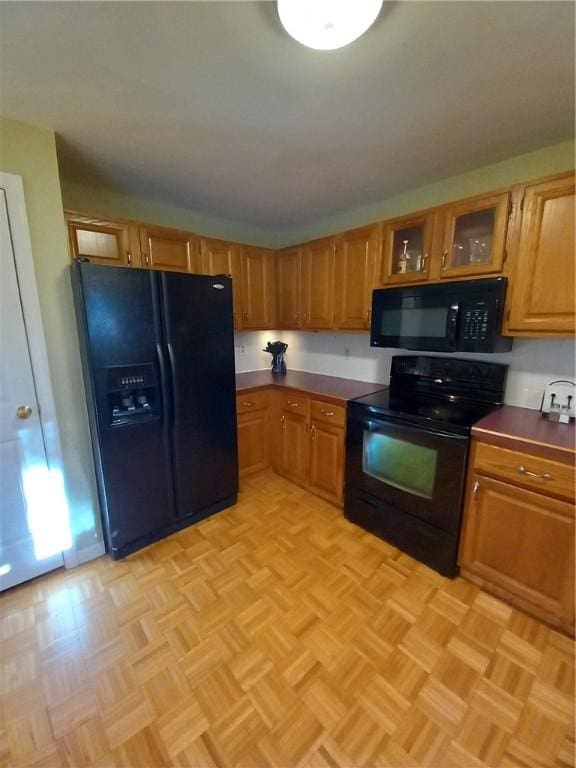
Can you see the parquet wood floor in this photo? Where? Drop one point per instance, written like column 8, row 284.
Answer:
column 277, row 634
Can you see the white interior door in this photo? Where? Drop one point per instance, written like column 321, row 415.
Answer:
column 32, row 500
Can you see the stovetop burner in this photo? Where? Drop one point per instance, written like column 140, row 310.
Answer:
column 457, row 416
column 438, row 392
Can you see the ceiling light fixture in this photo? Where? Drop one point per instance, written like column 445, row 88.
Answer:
column 327, row 24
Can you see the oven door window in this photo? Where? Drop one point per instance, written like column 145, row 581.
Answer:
column 405, row 465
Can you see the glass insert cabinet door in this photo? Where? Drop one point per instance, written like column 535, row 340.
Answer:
column 475, row 236
column 406, row 250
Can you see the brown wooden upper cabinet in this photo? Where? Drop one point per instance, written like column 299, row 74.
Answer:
column 103, row 241
column 357, row 253
column 219, row 257
column 475, row 236
column 258, row 287
column 542, row 300
column 289, row 285
column 169, row 249
column 407, row 249
column 318, row 273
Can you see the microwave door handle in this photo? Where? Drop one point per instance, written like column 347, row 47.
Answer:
column 453, row 313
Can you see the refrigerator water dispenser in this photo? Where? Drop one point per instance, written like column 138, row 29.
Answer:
column 132, row 394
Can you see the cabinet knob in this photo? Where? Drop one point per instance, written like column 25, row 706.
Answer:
column 423, row 263
column 24, row 412
column 324, row 412
column 283, row 422
column 129, row 258
column 444, row 258
column 292, row 404
column 146, row 260
column 313, row 432
column 249, row 403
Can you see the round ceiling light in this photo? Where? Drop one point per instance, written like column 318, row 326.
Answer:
column 327, row 24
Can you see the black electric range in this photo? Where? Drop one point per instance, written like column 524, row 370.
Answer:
column 407, row 448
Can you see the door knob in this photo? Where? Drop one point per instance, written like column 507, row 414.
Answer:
column 24, row 412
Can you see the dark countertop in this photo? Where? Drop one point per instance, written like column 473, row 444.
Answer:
column 329, row 388
column 527, row 430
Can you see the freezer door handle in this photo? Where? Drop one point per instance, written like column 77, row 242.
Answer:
column 172, row 374
column 167, row 405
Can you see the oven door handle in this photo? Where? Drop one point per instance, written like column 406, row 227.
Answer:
column 452, row 320
column 376, row 423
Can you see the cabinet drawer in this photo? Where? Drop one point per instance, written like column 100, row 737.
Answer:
column 294, row 403
column 330, row 414
column 251, row 401
column 545, row 475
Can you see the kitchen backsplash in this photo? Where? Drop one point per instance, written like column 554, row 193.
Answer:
column 532, row 362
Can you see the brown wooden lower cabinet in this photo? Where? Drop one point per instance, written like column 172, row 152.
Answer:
column 290, row 456
column 253, row 432
column 305, row 442
column 519, row 543
column 326, row 461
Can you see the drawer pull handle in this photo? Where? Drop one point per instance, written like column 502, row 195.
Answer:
column 313, row 432
column 544, row 476
column 249, row 403
column 324, row 412
column 292, row 404
column 283, row 422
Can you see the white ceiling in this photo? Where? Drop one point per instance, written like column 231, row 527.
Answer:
column 209, row 105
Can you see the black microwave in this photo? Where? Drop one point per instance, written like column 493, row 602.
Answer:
column 447, row 317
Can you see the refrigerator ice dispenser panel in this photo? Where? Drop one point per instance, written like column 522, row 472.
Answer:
column 132, row 394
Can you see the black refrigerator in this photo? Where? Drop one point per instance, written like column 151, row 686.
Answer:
column 157, row 354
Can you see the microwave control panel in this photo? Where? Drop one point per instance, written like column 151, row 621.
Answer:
column 479, row 327
column 475, row 324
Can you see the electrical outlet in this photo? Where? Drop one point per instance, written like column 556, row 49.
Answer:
column 346, row 351
column 242, row 349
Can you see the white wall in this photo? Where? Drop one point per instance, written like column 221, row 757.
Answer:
column 532, row 362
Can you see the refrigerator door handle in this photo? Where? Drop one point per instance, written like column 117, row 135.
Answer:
column 167, row 403
column 172, row 364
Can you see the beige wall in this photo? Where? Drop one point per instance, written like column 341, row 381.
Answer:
column 105, row 202
column 552, row 159
column 542, row 162
column 30, row 152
